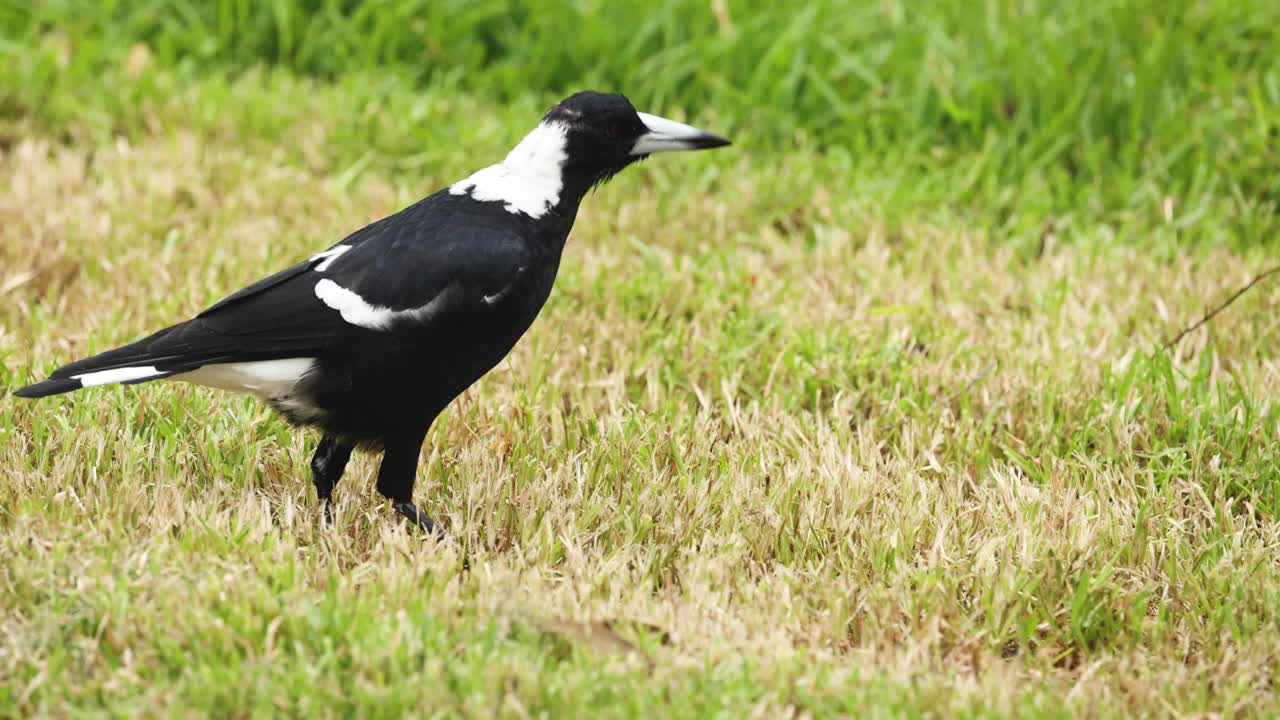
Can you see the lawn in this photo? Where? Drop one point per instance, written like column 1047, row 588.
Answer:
column 870, row 414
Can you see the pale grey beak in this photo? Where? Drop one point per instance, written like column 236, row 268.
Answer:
column 665, row 135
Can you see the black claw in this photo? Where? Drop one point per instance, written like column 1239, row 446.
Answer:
column 328, row 511
column 419, row 518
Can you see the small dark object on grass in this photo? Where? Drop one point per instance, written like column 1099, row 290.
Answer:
column 371, row 339
column 1225, row 304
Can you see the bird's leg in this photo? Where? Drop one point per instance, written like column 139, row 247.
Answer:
column 327, row 466
column 418, row 518
column 396, row 476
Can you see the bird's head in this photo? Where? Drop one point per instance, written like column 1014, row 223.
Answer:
column 604, row 133
column 589, row 137
column 583, row 141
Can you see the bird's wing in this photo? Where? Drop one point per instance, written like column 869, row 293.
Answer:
column 395, row 275
column 373, row 231
column 380, row 285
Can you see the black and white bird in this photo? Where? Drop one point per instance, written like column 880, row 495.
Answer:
column 370, row 339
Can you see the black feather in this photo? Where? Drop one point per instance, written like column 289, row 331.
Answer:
column 48, row 387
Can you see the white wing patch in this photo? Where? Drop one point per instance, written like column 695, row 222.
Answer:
column 328, row 256
column 495, row 298
column 529, row 180
column 356, row 311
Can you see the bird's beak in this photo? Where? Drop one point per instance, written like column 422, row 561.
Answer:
column 667, row 135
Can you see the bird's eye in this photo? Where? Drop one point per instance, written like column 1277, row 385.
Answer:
column 613, row 131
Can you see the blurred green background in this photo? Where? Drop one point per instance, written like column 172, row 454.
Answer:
column 1018, row 113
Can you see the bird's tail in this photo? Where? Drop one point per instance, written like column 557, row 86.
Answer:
column 126, row 375
column 133, row 363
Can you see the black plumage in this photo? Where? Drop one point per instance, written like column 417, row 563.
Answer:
column 371, row 339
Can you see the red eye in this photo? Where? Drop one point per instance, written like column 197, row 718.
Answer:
column 614, row 132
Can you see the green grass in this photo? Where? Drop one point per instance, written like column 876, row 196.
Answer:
column 741, row 464
column 1022, row 112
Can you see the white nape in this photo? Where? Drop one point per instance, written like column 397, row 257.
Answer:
column 328, row 256
column 529, row 180
column 268, row 379
column 125, row 374
column 356, row 311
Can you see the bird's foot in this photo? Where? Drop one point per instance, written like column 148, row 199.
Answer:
column 419, row 518
column 327, row 504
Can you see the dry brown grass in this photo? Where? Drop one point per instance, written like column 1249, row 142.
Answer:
column 726, row 429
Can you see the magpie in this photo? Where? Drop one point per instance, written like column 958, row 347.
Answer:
column 371, row 339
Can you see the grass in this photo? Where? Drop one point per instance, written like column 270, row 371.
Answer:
column 741, row 465
column 1020, row 111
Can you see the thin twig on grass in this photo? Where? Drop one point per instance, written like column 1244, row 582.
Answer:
column 1212, row 313
column 985, row 371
